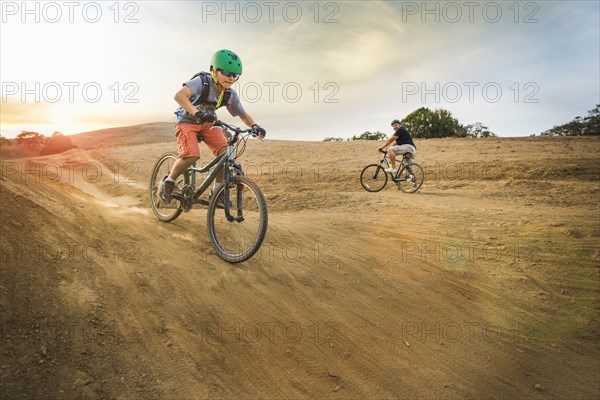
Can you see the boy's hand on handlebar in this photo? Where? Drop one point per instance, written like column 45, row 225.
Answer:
column 205, row 117
column 258, row 131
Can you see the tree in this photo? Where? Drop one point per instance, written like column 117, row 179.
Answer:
column 424, row 123
column 478, row 130
column 333, row 139
column 57, row 143
column 4, row 141
column 585, row 126
column 592, row 122
column 30, row 139
column 370, row 136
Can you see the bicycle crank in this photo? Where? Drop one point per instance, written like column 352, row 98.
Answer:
column 187, row 201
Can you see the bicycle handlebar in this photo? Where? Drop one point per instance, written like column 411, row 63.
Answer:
column 237, row 130
column 231, row 127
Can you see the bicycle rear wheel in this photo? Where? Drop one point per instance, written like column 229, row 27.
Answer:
column 239, row 239
column 163, row 211
column 373, row 178
column 410, row 178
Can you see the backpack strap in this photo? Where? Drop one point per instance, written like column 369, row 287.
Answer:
column 203, row 96
column 226, row 97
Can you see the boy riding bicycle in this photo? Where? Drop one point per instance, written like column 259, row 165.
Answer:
column 404, row 144
column 199, row 99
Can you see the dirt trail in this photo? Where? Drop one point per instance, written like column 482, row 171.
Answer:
column 483, row 285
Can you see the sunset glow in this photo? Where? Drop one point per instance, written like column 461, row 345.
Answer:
column 323, row 69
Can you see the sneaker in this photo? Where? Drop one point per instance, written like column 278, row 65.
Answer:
column 165, row 191
column 410, row 178
column 391, row 170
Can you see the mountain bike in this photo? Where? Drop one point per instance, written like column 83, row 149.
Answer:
column 408, row 178
column 237, row 216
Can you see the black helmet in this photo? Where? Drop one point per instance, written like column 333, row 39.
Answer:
column 395, row 122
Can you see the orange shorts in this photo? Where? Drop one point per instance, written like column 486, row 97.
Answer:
column 187, row 143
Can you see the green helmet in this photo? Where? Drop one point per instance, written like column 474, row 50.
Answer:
column 226, row 60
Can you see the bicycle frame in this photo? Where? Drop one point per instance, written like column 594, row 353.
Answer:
column 237, row 215
column 384, row 159
column 189, row 176
column 218, row 164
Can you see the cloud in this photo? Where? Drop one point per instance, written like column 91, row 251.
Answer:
column 367, row 49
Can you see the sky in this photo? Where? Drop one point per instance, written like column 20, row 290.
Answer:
column 311, row 69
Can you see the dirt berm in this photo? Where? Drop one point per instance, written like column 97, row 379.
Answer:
column 483, row 285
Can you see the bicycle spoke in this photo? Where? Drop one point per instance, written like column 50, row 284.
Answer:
column 164, row 212
column 238, row 240
column 373, row 178
column 410, row 178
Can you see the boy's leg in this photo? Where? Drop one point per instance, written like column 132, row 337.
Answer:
column 217, row 143
column 221, row 175
column 188, row 153
column 180, row 166
column 187, row 148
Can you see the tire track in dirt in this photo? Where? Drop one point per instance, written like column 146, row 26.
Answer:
column 340, row 312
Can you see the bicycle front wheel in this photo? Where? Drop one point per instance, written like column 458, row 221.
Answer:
column 163, row 211
column 237, row 238
column 410, row 178
column 373, row 178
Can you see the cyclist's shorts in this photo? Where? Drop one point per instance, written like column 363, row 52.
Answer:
column 404, row 148
column 187, row 142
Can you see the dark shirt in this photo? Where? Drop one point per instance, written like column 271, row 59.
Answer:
column 403, row 137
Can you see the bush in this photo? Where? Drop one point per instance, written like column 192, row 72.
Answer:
column 57, row 143
column 586, row 126
column 370, row 136
column 478, row 130
column 30, row 139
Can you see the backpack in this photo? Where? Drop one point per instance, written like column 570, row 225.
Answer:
column 203, row 96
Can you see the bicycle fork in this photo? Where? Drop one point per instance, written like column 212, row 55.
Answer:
column 229, row 183
column 227, row 204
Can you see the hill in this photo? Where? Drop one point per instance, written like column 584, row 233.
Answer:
column 156, row 132
column 484, row 284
